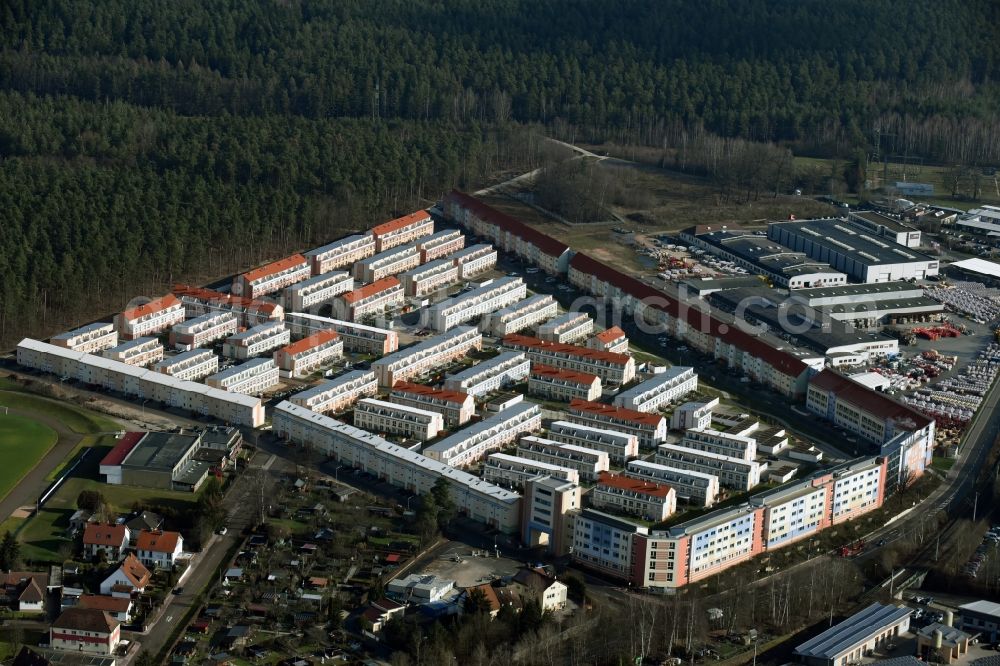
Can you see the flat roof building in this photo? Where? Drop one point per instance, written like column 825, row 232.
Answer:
column 693, row 415
column 387, row 263
column 357, row 337
column 402, row 230
column 139, row 352
column 149, row 318
column 474, row 260
column 309, row 354
column 563, row 385
column 849, row 641
column 886, row 226
column 203, row 330
column 980, row 617
column 190, row 365
column 566, row 328
column 587, row 462
column 490, row 375
column 660, row 390
column 317, row 290
column 871, row 305
column 258, row 340
column 391, row 418
column 427, row 356
column 336, row 395
column 166, row 461
column 272, row 277
column 489, row 297
column 252, row 377
column 524, row 314
column 341, row 253
column 620, row 446
column 491, row 434
column 612, row 368
column 512, row 471
column 89, row 339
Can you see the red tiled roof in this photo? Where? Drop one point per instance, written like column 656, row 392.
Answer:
column 135, row 571
column 400, row 223
column 611, row 411
column 315, row 340
column 122, row 448
column 441, row 394
column 375, row 287
column 610, row 335
column 105, row 603
column 541, row 370
column 155, row 305
column 275, row 267
column 97, row 534
column 157, row 541
column 873, row 402
column 634, row 485
column 489, row 593
column 210, row 296
column 563, row 348
column 86, row 619
column 543, row 242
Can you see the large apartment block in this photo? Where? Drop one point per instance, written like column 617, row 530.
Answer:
column 610, row 340
column 659, row 391
column 149, row 318
column 563, row 385
column 257, row 340
column 566, row 328
column 612, row 368
column 620, row 446
column 456, row 407
column 427, row 356
column 203, row 330
column 138, row 352
column 338, row 394
column 588, row 463
column 370, row 300
column 603, row 542
column 440, row 244
column 732, row 472
column 521, row 315
column 341, row 253
column 474, row 260
column 722, row 443
column 273, row 277
column 357, row 337
column 491, row 375
column 89, row 339
column 402, row 230
column 473, row 304
column 697, row 488
column 651, row 429
column 478, row 499
column 388, row 417
column 317, row 290
column 190, row 365
column 199, row 301
column 513, row 471
column 491, row 434
column 637, row 497
column 309, row 354
column 388, row 263
column 253, row 377
column 429, row 278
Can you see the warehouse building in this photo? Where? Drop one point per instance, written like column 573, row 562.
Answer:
column 273, row 277
column 611, row 340
column 249, row 312
column 371, row 300
column 165, row 461
column 203, row 330
column 562, row 385
column 588, row 463
column 853, row 251
column 402, row 230
column 387, row 263
column 850, row 641
column 309, row 354
column 612, row 368
column 732, row 472
column 149, row 318
column 650, row 429
column 317, row 290
column 338, row 394
column 659, row 391
column 252, row 378
column 885, row 226
column 475, row 498
column 872, row 305
column 141, row 383
column 429, row 278
column 388, row 417
column 494, row 374
column 139, row 352
column 89, row 339
column 473, row 304
column 357, row 337
column 513, row 471
column 190, row 365
column 620, row 446
column 341, row 253
column 637, row 497
column 697, row 488
column 566, row 328
column 474, row 260
column 258, row 340
column 427, row 357
column 440, row 244
column 456, row 407
column 491, row 434
column 524, row 314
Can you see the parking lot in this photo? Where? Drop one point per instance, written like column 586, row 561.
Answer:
column 469, row 566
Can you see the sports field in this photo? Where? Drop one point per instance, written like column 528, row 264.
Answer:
column 23, row 442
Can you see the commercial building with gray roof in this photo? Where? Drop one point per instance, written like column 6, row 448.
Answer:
column 847, row 642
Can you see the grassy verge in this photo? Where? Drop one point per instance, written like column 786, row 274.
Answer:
column 75, row 418
column 942, row 463
column 23, row 442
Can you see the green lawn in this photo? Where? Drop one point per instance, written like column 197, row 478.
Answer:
column 75, row 418
column 23, row 442
column 941, row 463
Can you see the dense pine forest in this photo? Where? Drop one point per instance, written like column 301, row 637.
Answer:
column 144, row 141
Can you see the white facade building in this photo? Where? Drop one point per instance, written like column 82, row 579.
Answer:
column 474, row 260
column 491, row 434
column 426, row 356
column 638, row 497
column 199, row 301
column 402, row 230
column 388, row 263
column 370, row 300
column 429, row 278
column 190, row 365
column 335, row 395
column 566, row 328
column 611, row 367
column 341, row 253
column 620, row 446
column 257, row 340
column 138, row 352
column 693, row 415
column 456, row 407
column 524, row 314
column 356, row 337
column 440, row 244
column 203, row 330
column 491, row 375
column 732, row 472
column 722, row 443
column 651, row 429
column 273, row 277
column 565, row 385
column 388, row 417
column 309, row 354
column 610, row 340
column 149, row 318
column 659, row 391
column 588, row 463
column 473, row 304
column 698, row 488
column 253, row 377
column 317, row 290
column 89, row 339
column 508, row 470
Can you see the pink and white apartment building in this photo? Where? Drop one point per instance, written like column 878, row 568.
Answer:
column 564, row 385
column 651, row 429
column 317, row 290
column 85, row 630
column 429, row 278
column 139, row 352
column 89, row 339
column 249, row 312
column 612, row 368
column 204, row 330
column 474, row 260
column 402, row 230
column 309, row 354
column 273, row 277
column 149, row 318
column 257, row 340
column 389, row 263
column 456, row 407
column 441, row 244
column 610, row 340
column 620, row 446
column 637, row 497
column 338, row 394
column 370, row 300
column 341, row 253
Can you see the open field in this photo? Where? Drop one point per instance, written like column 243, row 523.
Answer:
column 76, row 419
column 23, row 442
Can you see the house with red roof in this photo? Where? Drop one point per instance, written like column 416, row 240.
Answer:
column 120, row 608
column 272, row 277
column 636, row 497
column 456, row 407
column 402, row 230
column 159, row 549
column 610, row 367
column 112, row 540
column 610, row 340
column 379, row 612
column 370, row 299
column 309, row 354
column 130, row 578
column 199, row 301
column 650, row 429
column 553, row 383
column 150, row 318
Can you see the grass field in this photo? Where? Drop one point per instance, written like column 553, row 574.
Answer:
column 23, row 442
column 76, row 419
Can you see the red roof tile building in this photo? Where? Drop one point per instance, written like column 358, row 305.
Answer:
column 370, row 300
column 637, row 497
column 103, row 538
column 131, row 577
column 402, row 230
column 120, row 608
column 612, row 340
column 159, row 549
column 610, row 367
column 149, row 318
column 85, row 630
column 309, row 354
column 199, row 301
column 563, row 385
column 456, row 407
column 272, row 277
column 651, row 429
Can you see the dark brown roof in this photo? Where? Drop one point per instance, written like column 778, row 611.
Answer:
column 28, row 657
column 86, row 619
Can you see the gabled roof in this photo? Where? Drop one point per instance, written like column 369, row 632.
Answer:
column 441, row 394
column 275, row 267
column 490, row 593
column 155, row 305
column 563, row 348
column 634, row 485
column 135, row 571
column 610, row 411
column 314, row 340
column 376, row 287
column 610, row 335
column 105, row 603
column 157, row 541
column 543, row 242
column 873, row 402
column 32, row 593
column 28, row 657
column 145, row 520
column 400, row 223
column 535, row 579
column 219, row 298
column 98, row 534
column 86, row 619
column 542, row 370
column 122, row 448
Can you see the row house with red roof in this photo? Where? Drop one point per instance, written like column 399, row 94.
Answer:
column 610, row 340
column 272, row 277
column 456, row 407
column 149, row 318
column 650, row 429
column 370, row 300
column 552, row 383
column 249, row 312
column 637, row 497
column 309, row 354
column 610, row 367
column 402, row 230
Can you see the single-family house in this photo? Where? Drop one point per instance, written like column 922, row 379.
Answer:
column 85, row 630
column 25, row 590
column 489, row 594
column 159, row 549
column 537, row 585
column 144, row 520
column 380, row 612
column 112, row 540
column 119, row 608
column 131, row 577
